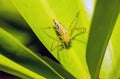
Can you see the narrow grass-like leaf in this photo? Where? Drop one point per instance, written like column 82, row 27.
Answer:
column 104, row 18
column 12, row 67
column 17, row 52
column 9, row 14
column 111, row 63
column 39, row 14
column 24, row 37
column 59, row 68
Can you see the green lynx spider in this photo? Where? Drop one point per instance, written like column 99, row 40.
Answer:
column 61, row 32
column 65, row 37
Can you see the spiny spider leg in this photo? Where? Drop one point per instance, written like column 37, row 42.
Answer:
column 73, row 20
column 58, row 48
column 81, row 29
column 48, row 34
column 53, row 43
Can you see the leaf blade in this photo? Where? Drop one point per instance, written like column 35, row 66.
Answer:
column 103, row 23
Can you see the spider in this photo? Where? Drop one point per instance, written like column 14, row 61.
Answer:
column 65, row 37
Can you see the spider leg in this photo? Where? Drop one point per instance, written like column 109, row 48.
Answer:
column 47, row 27
column 73, row 20
column 59, row 48
column 58, row 52
column 48, row 34
column 51, row 48
column 82, row 30
column 81, row 41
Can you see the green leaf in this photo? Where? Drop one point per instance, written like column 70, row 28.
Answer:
column 111, row 63
column 17, row 52
column 18, row 70
column 9, row 14
column 59, row 68
column 39, row 14
column 104, row 18
column 23, row 36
